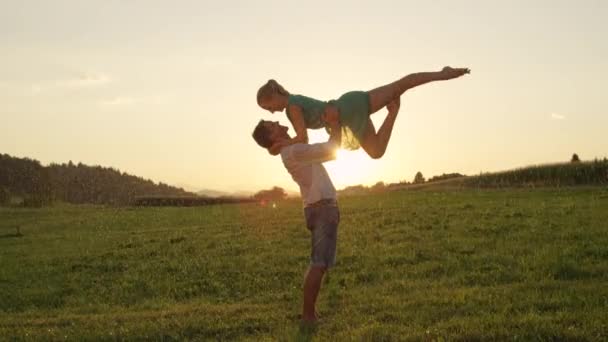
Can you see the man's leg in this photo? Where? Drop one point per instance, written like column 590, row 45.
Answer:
column 323, row 224
column 312, row 285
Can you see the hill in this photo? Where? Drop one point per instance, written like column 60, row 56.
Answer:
column 588, row 173
column 34, row 184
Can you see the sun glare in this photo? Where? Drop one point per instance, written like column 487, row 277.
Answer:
column 349, row 168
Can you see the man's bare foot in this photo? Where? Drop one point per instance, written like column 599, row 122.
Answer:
column 449, row 73
column 308, row 327
column 310, row 318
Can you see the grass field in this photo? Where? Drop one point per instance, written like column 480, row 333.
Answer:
column 420, row 265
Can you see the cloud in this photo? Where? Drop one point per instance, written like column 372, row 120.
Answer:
column 36, row 88
column 118, row 101
column 556, row 116
column 158, row 100
column 22, row 88
column 84, row 80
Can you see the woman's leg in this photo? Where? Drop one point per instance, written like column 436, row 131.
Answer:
column 375, row 143
column 381, row 96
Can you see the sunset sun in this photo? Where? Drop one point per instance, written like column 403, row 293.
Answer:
column 349, row 168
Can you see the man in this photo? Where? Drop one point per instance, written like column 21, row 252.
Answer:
column 304, row 163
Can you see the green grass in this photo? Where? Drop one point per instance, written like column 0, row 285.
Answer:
column 419, row 265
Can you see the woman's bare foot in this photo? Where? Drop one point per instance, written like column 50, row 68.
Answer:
column 449, row 73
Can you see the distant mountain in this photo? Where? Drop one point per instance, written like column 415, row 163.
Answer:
column 218, row 193
column 211, row 193
column 242, row 194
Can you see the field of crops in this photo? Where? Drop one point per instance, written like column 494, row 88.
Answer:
column 514, row 264
column 548, row 175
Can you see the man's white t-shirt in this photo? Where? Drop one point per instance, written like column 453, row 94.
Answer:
column 303, row 161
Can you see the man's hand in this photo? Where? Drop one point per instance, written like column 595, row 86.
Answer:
column 393, row 106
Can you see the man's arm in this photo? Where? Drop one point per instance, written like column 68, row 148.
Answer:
column 319, row 153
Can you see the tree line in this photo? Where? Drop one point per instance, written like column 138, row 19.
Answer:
column 33, row 184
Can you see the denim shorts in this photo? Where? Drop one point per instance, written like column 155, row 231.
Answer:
column 322, row 221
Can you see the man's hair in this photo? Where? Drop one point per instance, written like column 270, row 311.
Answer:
column 261, row 135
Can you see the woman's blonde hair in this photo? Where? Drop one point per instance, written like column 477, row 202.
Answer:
column 270, row 89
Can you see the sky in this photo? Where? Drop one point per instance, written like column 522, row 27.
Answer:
column 166, row 89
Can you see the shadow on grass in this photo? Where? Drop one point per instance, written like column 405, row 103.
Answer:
column 8, row 236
